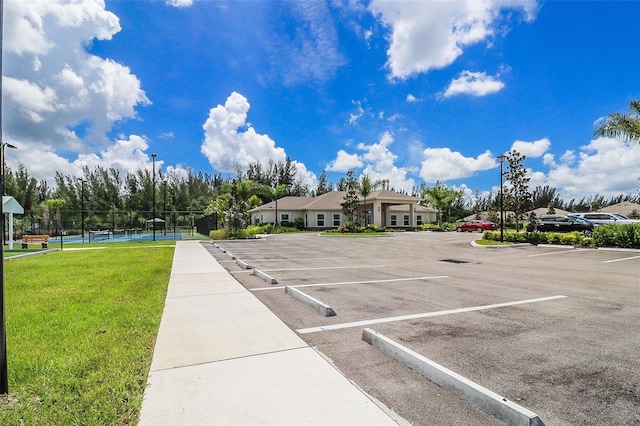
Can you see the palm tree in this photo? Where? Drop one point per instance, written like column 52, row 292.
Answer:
column 276, row 193
column 624, row 126
column 441, row 198
column 365, row 187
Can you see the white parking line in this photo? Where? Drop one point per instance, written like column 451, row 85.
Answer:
column 301, row 258
column 558, row 252
column 620, row 260
column 423, row 315
column 328, row 267
column 352, row 282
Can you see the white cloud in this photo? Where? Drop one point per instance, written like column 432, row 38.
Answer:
column 428, row 35
column 380, row 164
column 305, row 175
column 179, row 3
column 473, row 83
column 411, row 98
column 225, row 143
column 58, row 96
column 124, row 155
column 442, row 164
column 229, row 140
column 378, row 161
column 605, row 166
column 353, row 118
column 532, row 149
column 344, row 162
column 311, row 52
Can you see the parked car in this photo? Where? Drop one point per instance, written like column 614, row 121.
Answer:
column 563, row 223
column 477, row 226
column 601, row 218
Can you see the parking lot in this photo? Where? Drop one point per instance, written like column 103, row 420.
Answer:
column 555, row 330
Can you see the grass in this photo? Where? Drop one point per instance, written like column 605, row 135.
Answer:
column 81, row 327
column 492, row 243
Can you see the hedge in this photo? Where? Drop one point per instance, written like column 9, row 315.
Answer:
column 626, row 236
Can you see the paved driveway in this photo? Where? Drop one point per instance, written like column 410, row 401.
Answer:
column 554, row 329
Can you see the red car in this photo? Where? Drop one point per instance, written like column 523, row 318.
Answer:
column 477, row 226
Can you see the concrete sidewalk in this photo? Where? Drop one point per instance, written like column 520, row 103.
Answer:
column 223, row 358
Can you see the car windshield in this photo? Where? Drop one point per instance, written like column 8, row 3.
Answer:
column 577, row 218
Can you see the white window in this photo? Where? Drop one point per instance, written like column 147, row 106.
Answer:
column 284, row 217
column 405, row 219
column 320, row 219
column 419, row 219
column 394, row 220
column 336, row 219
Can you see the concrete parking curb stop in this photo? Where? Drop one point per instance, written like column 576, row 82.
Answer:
column 269, row 279
column 242, row 264
column 323, row 308
column 479, row 396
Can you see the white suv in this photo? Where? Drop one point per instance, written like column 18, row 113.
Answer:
column 601, row 218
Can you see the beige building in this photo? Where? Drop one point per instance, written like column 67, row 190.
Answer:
column 383, row 208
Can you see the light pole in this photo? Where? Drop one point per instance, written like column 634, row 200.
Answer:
column 501, row 159
column 153, row 196
column 82, row 206
column 164, row 208
column 4, row 377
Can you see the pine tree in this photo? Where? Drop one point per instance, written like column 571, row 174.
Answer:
column 351, row 203
column 517, row 196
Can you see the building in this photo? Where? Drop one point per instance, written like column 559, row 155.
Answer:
column 383, row 208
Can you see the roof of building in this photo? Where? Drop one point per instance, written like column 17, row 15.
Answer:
column 624, row 208
column 333, row 201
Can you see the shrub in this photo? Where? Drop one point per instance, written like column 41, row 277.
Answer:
column 429, row 227
column 372, row 228
column 627, row 235
column 350, row 226
column 299, row 223
column 219, row 234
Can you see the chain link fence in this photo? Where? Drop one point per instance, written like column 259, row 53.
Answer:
column 112, row 224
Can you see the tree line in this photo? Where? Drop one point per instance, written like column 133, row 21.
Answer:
column 100, row 192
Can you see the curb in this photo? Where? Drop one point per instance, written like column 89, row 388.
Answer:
column 474, row 244
column 479, row 396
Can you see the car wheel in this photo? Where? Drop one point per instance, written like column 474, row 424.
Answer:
column 587, row 234
column 480, row 230
column 459, row 229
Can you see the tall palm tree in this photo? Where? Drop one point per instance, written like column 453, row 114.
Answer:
column 624, row 126
column 365, row 187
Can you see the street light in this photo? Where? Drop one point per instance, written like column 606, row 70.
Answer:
column 82, row 181
column 164, row 208
column 4, row 167
column 153, row 219
column 501, row 159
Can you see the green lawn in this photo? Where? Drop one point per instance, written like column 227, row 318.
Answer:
column 81, row 327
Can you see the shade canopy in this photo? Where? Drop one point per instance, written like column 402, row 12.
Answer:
column 10, row 205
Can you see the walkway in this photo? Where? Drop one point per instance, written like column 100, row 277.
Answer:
column 222, row 357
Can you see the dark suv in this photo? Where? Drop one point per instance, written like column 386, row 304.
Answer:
column 562, row 223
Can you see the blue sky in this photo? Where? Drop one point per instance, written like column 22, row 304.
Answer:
column 410, row 91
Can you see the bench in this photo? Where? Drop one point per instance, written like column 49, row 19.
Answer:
column 34, row 239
